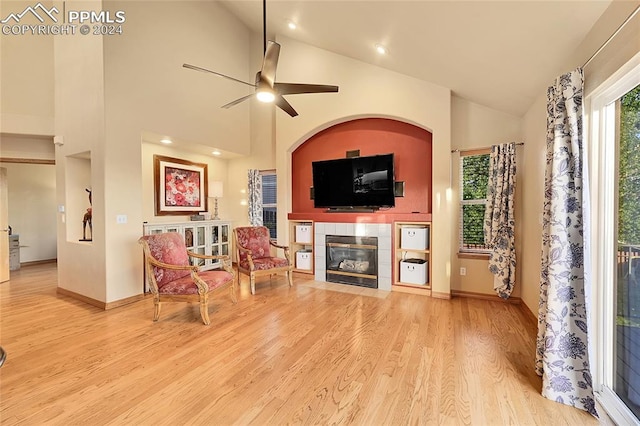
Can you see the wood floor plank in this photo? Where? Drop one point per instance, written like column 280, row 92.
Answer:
column 307, row 354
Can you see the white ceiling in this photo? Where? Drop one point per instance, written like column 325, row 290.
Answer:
column 502, row 54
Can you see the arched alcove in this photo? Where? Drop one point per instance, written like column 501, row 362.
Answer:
column 410, row 144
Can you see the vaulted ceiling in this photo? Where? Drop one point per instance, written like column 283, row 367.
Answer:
column 502, row 54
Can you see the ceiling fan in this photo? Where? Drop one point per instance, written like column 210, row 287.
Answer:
column 266, row 88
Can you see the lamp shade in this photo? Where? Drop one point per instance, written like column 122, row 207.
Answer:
column 215, row 190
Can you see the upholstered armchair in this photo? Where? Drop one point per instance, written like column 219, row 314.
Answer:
column 253, row 253
column 171, row 276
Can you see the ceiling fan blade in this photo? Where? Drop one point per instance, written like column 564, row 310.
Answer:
column 296, row 88
column 285, row 106
column 270, row 63
column 193, row 67
column 237, row 101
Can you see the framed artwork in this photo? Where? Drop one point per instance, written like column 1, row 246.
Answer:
column 180, row 186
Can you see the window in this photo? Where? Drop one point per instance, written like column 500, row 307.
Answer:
column 615, row 243
column 269, row 202
column 474, row 179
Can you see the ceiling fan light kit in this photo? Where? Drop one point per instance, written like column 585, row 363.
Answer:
column 266, row 88
column 265, row 95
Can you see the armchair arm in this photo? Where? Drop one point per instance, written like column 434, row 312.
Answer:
column 284, row 248
column 249, row 256
column 207, row 256
column 244, row 250
column 278, row 246
column 225, row 259
column 159, row 264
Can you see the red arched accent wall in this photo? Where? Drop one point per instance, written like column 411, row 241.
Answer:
column 410, row 145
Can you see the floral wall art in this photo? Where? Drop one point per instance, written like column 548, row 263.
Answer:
column 180, row 186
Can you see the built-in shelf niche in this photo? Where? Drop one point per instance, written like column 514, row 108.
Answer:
column 77, row 181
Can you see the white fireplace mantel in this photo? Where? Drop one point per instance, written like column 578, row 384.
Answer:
column 380, row 230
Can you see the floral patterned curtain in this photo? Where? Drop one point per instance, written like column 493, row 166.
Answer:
column 499, row 223
column 255, row 197
column 562, row 357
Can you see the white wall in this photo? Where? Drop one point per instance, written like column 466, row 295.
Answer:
column 32, row 209
column 395, row 96
column 475, row 126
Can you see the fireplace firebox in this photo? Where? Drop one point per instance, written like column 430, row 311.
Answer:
column 352, row 260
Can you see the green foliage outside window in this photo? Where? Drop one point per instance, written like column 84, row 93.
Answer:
column 475, row 179
column 629, row 174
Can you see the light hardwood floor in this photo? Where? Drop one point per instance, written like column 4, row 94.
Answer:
column 301, row 355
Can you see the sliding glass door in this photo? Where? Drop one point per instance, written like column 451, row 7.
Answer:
column 627, row 277
column 615, row 244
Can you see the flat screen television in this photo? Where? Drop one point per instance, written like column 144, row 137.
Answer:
column 358, row 182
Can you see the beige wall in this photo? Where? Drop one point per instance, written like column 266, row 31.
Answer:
column 262, row 153
column 26, row 78
column 79, row 118
column 475, row 126
column 146, row 89
column 32, row 209
column 109, row 91
column 620, row 50
column 32, row 195
column 396, row 96
column 27, row 147
column 217, row 170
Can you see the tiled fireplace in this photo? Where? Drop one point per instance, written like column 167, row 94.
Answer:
column 380, row 231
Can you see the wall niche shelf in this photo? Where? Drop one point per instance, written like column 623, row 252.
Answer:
column 412, row 256
column 301, row 245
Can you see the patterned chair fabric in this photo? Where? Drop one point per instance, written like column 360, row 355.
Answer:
column 253, row 249
column 171, row 276
column 256, row 239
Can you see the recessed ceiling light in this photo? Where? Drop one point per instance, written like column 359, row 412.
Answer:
column 381, row 49
column 292, row 25
column 216, row 152
column 166, row 141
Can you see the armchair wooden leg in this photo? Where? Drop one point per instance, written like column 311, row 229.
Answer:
column 204, row 309
column 252, row 280
column 290, row 278
column 232, row 290
column 156, row 308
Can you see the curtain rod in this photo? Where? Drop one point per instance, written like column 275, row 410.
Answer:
column 482, row 147
column 615, row 33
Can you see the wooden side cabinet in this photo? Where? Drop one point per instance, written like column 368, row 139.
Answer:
column 301, row 245
column 412, row 255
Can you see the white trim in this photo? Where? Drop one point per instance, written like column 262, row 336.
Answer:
column 602, row 144
column 461, row 248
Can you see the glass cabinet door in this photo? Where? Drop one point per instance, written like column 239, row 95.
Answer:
column 224, row 246
column 201, row 236
column 215, row 234
column 188, row 237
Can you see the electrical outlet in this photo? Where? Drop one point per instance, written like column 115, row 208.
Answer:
column 463, row 271
column 121, row 218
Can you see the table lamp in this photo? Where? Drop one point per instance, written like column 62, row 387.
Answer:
column 215, row 192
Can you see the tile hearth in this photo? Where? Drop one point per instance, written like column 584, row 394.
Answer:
column 380, row 230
